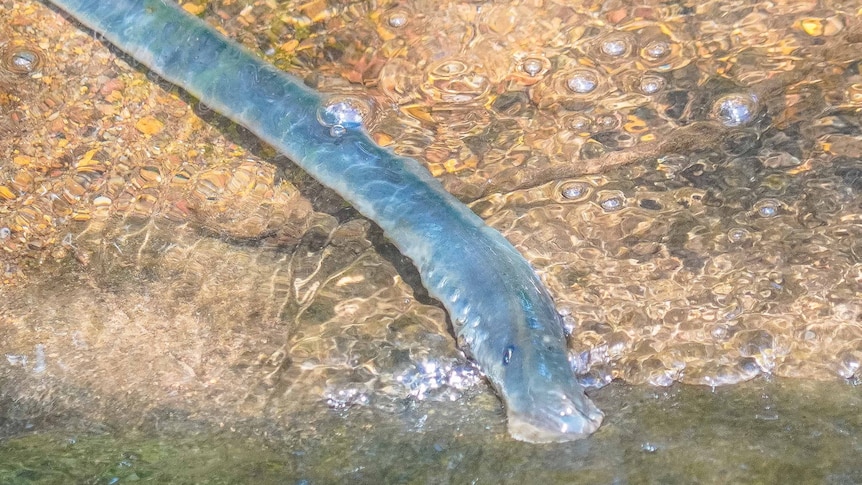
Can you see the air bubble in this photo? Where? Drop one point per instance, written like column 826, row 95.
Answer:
column 435, row 379
column 574, row 190
column 532, row 66
column 607, row 122
column 719, row 333
column 767, row 208
column 592, row 149
column 342, row 113
column 19, row 57
column 738, row 234
column 26, row 61
column 582, row 81
column 449, row 69
column 397, row 19
column 612, row 201
column 615, row 47
column 735, row 109
column 569, row 88
column 651, row 84
column 749, row 366
column 580, row 123
column 649, row 447
column 612, row 204
column 848, row 365
column 656, row 50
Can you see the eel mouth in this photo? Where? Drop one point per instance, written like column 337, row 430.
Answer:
column 555, row 423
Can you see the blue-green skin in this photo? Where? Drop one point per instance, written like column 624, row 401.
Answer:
column 502, row 314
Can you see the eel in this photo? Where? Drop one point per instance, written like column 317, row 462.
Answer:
column 502, row 315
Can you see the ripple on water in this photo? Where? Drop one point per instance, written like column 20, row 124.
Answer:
column 499, row 95
column 455, row 81
column 398, row 80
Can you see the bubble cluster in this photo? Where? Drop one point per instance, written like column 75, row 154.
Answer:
column 438, row 379
column 727, row 248
column 519, row 73
column 709, row 286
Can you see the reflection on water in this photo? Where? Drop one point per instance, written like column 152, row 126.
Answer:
column 720, row 267
column 685, row 178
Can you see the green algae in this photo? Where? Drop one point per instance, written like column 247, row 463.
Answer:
column 766, row 431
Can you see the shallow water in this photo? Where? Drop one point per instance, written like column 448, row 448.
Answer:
column 757, row 432
column 685, row 178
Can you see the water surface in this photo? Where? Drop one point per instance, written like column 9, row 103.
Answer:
column 684, row 177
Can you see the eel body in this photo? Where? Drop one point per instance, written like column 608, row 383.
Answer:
column 503, row 316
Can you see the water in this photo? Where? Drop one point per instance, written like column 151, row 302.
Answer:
column 758, row 432
column 690, row 197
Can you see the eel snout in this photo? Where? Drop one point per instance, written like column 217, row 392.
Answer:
column 557, row 418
